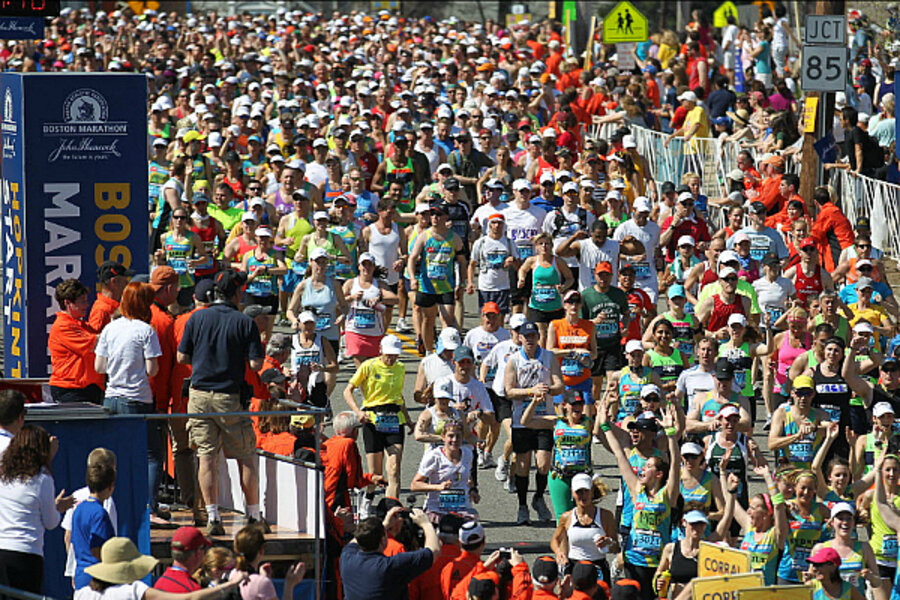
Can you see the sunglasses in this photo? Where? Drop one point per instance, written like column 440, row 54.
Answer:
column 865, row 268
column 863, row 246
column 181, row 218
column 730, row 279
column 356, row 179
column 653, row 398
column 804, row 392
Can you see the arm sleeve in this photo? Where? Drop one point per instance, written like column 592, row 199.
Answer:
column 50, row 517
column 360, row 376
column 101, row 348
column 152, row 347
column 101, row 530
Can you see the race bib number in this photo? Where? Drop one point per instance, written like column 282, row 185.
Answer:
column 646, row 541
column 740, row 378
column 436, row 270
column 306, row 358
column 802, row 452
column 686, row 348
column 342, row 270
column 544, row 294
column 798, row 560
column 568, row 458
column 495, row 260
column 571, row 367
column 607, row 330
column 300, row 267
column 525, row 251
column 387, row 423
column 642, row 270
column 364, row 318
column 889, row 546
column 323, row 322
column 452, row 500
column 178, row 264
column 834, row 412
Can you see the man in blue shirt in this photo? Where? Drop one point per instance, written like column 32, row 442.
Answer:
column 763, row 240
column 218, row 342
column 370, row 575
column 91, row 525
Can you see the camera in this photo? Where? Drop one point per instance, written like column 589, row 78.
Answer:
column 505, row 553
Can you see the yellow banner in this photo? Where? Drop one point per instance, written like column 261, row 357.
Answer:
column 725, row 588
column 716, row 560
column 782, row 592
column 810, row 105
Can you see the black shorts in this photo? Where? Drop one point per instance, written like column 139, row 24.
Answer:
column 519, row 295
column 502, row 405
column 887, row 572
column 268, row 301
column 394, row 287
column 501, row 297
column 610, row 359
column 425, row 300
column 544, row 316
column 375, row 442
column 529, row 440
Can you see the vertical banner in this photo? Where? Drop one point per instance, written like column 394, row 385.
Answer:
column 81, row 161
column 740, row 81
column 12, row 226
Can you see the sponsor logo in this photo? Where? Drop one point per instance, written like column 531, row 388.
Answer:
column 85, row 129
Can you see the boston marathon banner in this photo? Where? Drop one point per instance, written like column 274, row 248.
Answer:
column 74, row 194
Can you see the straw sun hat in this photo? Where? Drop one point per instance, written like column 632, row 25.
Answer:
column 120, row 562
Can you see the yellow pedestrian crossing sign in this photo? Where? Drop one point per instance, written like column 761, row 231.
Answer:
column 720, row 17
column 624, row 23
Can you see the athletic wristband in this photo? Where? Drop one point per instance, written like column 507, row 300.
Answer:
column 773, row 490
column 671, row 431
column 605, row 427
column 778, row 498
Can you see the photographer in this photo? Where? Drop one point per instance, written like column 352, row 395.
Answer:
column 378, row 576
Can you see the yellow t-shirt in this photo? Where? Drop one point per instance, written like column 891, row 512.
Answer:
column 875, row 315
column 380, row 384
column 696, row 115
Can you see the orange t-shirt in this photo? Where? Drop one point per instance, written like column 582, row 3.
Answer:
column 180, row 372
column 71, row 343
column 161, row 383
column 571, row 337
column 102, row 312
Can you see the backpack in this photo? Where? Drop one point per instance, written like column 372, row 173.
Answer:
column 560, row 220
column 873, row 155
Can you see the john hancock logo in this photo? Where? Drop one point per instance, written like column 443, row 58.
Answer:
column 85, row 132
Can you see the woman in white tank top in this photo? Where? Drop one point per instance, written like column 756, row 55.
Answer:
column 587, row 532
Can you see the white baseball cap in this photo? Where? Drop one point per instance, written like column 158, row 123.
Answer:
column 582, row 481
column 318, row 253
column 737, row 318
column 633, row 345
column 521, row 184
column 320, row 214
column 367, row 256
column 641, row 204
column 570, row 186
column 650, row 389
column 689, row 96
column 882, row 408
column 307, row 317
column 726, row 271
column 449, row 338
column 390, row 344
column 263, row 232
column 686, row 240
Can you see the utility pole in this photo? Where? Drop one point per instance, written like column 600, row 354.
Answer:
column 811, row 168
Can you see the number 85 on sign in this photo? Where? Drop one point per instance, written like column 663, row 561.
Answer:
column 824, row 68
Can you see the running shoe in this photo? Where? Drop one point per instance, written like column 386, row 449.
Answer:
column 403, row 326
column 511, row 484
column 540, row 507
column 522, row 518
column 501, row 473
column 215, row 528
column 261, row 523
column 486, row 460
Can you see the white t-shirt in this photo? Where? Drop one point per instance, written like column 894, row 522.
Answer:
column 484, row 211
column 126, row 344
column 27, row 510
column 436, row 468
column 645, row 270
column 773, row 295
column 436, row 367
column 80, row 495
column 5, row 438
column 496, row 362
column 590, row 255
column 468, row 396
column 482, row 342
column 126, row 591
column 522, row 225
column 565, row 230
column 490, row 254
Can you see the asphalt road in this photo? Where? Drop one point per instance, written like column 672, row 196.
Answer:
column 497, row 509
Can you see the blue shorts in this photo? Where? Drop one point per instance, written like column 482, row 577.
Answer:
column 289, row 281
column 501, row 297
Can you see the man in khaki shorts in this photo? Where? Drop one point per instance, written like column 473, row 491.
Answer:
column 218, row 342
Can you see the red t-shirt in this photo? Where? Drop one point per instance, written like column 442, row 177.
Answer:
column 176, row 581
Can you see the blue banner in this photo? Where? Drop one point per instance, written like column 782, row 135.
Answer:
column 21, row 28
column 79, row 155
column 826, row 148
column 740, row 82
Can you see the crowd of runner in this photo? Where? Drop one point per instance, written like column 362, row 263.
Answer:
column 327, row 191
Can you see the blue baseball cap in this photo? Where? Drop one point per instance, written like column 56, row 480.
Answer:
column 677, row 291
column 528, row 328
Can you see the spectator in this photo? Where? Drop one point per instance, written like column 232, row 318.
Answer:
column 29, row 506
column 12, row 416
column 189, row 548
column 71, row 343
column 121, row 571
column 99, row 458
column 91, row 525
column 376, row 576
column 831, row 229
column 112, row 277
column 249, row 547
column 342, row 463
column 128, row 353
column 218, row 342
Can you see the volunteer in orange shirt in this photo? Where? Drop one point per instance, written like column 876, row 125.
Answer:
column 770, row 186
column 831, row 229
column 427, row 586
column 471, row 539
column 71, row 343
column 113, row 277
column 182, row 453
column 165, row 281
column 342, row 463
